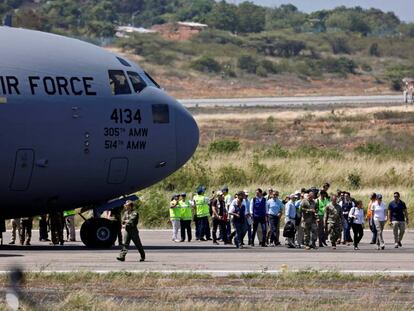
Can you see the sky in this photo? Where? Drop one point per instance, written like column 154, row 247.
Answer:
column 402, row 8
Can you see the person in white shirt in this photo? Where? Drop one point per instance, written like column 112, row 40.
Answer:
column 379, row 212
column 356, row 215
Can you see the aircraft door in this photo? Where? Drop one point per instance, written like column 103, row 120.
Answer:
column 23, row 169
column 118, row 169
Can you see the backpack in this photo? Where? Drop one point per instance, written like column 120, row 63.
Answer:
column 289, row 230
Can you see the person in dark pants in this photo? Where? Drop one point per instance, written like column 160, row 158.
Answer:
column 43, row 234
column 219, row 214
column 356, row 219
column 346, row 205
column 26, row 225
column 129, row 224
column 258, row 210
column 200, row 203
column 274, row 208
column 116, row 214
column 238, row 211
column 186, row 216
column 56, row 223
column 370, row 218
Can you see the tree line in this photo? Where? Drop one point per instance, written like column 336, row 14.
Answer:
column 95, row 18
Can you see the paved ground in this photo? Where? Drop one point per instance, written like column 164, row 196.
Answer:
column 164, row 255
column 294, row 101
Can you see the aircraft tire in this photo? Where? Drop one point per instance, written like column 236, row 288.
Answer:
column 99, row 232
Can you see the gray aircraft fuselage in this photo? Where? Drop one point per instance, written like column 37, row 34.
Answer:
column 71, row 135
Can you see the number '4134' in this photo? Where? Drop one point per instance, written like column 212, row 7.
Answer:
column 126, row 116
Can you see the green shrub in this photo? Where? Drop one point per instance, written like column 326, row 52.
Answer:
column 217, row 36
column 374, row 50
column 224, row 146
column 261, row 71
column 372, row 149
column 248, row 63
column 195, row 172
column 314, row 152
column 153, row 209
column 161, row 58
column 339, row 45
column 276, row 151
column 232, row 175
column 354, row 180
column 366, row 67
column 206, row 64
column 269, row 66
column 341, row 65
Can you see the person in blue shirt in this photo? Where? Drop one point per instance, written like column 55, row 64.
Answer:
column 397, row 217
column 274, row 207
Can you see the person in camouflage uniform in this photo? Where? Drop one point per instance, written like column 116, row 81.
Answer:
column 309, row 220
column 26, row 225
column 333, row 221
column 129, row 225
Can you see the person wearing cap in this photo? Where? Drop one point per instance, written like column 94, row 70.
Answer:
column 379, row 212
column 333, row 220
column 129, row 225
column 398, row 217
column 175, row 216
column 259, row 213
column 238, row 213
column 309, row 218
column 185, row 217
column 290, row 216
column 200, row 203
column 220, row 216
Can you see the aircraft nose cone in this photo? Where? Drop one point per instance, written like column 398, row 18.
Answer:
column 187, row 136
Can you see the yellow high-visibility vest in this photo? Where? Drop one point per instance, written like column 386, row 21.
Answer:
column 202, row 208
column 186, row 212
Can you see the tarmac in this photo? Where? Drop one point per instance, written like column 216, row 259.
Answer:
column 166, row 256
column 296, row 101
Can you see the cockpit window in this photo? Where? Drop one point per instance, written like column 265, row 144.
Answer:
column 160, row 113
column 137, row 82
column 152, row 80
column 119, row 82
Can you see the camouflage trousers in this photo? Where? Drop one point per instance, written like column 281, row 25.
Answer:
column 334, row 231
column 310, row 233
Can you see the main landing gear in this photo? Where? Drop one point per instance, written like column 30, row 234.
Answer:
column 97, row 232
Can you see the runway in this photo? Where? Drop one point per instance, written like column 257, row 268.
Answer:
column 165, row 256
column 293, row 101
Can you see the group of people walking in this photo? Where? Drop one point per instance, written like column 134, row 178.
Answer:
column 310, row 218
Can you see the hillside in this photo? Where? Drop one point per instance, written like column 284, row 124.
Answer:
column 246, row 50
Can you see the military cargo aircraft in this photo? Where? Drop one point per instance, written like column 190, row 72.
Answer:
column 82, row 127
